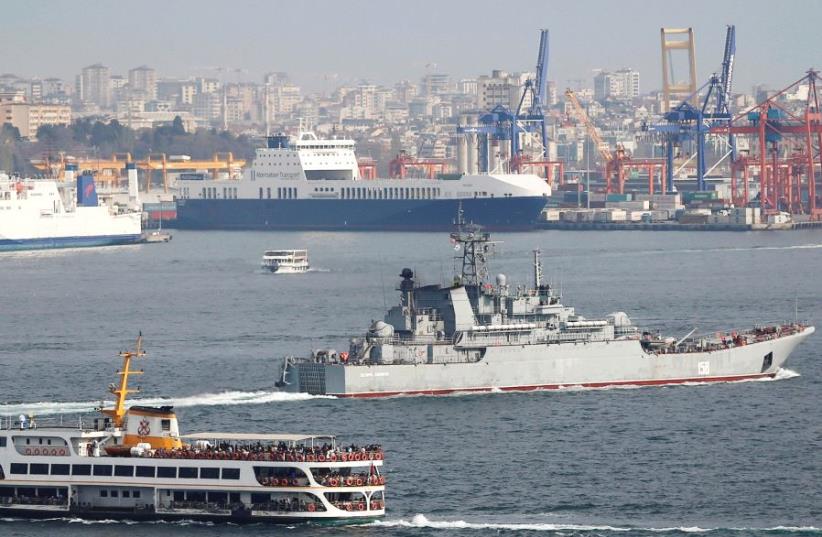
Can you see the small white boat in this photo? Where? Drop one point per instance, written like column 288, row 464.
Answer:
column 286, row 261
column 157, row 236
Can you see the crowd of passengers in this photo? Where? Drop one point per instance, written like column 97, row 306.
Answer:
column 333, row 479
column 292, row 505
column 274, row 452
column 34, row 500
column 204, row 506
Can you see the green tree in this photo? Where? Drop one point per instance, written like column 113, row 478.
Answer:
column 177, row 126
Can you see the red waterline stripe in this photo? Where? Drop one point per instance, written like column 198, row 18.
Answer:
column 702, row 380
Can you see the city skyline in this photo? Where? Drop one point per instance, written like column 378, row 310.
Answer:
column 432, row 38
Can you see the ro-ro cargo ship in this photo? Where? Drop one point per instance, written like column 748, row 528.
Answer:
column 133, row 463
column 475, row 336
column 310, row 183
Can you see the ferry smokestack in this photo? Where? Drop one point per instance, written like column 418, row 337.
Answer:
column 133, row 185
column 70, row 173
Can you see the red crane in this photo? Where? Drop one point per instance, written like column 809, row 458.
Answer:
column 782, row 179
column 399, row 166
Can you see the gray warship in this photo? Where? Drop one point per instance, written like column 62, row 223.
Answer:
column 477, row 336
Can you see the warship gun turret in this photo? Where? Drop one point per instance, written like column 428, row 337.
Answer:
column 474, row 335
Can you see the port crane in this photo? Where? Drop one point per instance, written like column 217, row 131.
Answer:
column 618, row 162
column 691, row 121
column 501, row 125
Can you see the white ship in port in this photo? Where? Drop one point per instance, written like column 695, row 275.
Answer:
column 474, row 335
column 43, row 213
column 134, row 464
column 313, row 183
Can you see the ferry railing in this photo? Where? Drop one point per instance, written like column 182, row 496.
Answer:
column 11, row 423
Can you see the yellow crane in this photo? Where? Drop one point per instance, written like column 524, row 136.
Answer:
column 111, row 169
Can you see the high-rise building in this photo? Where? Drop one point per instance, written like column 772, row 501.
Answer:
column 468, row 86
column 622, row 84
column 502, row 88
column 435, row 84
column 94, row 85
column 29, row 117
column 143, row 81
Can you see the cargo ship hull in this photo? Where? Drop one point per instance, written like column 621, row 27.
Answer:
column 547, row 366
column 511, row 214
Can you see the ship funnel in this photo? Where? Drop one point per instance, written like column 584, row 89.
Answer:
column 133, row 185
column 70, row 172
column 86, row 191
column 278, row 141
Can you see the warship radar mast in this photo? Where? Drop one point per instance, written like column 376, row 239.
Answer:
column 475, row 247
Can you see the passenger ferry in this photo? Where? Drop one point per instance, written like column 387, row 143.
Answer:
column 312, row 183
column 286, row 261
column 133, row 463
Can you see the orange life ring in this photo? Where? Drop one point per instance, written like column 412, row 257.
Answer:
column 275, row 482
column 359, row 481
column 361, row 506
column 311, row 507
column 333, row 482
column 349, row 481
column 54, row 451
column 293, row 481
column 382, row 480
column 349, row 507
column 333, row 457
column 300, row 458
column 28, row 451
column 344, row 457
column 321, row 458
column 36, row 451
column 378, row 456
column 311, row 458
column 62, row 452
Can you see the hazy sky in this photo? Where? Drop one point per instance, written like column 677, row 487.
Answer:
column 323, row 43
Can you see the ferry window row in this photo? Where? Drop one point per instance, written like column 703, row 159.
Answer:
column 390, row 193
column 114, row 493
column 212, row 193
column 119, row 470
column 286, row 193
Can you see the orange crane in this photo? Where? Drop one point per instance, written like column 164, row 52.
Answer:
column 618, row 162
column 602, row 146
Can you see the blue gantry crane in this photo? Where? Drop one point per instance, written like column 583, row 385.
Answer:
column 501, row 124
column 533, row 118
column 689, row 124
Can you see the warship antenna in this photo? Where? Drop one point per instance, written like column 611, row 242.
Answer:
column 382, row 284
column 474, row 247
column 537, row 270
